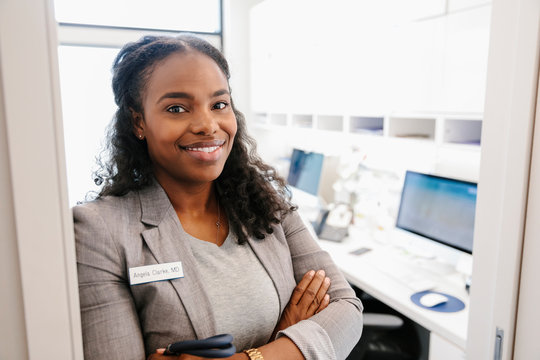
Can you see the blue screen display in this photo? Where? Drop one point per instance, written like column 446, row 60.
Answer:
column 305, row 171
column 438, row 208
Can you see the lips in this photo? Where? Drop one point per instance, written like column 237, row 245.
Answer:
column 205, row 150
column 203, row 145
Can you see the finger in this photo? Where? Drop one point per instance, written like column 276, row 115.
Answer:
column 311, row 290
column 324, row 303
column 301, row 287
column 317, row 300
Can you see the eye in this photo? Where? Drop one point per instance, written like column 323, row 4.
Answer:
column 176, row 109
column 220, row 105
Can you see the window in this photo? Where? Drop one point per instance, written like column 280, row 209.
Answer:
column 171, row 15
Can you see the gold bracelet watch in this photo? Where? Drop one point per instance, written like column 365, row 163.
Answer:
column 254, row 354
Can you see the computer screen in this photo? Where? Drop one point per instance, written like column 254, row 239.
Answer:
column 305, row 170
column 438, row 208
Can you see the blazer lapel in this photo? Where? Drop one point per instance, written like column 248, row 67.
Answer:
column 167, row 243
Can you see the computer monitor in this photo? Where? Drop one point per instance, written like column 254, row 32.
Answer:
column 438, row 208
column 305, row 171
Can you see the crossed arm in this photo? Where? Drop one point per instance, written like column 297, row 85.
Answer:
column 308, row 298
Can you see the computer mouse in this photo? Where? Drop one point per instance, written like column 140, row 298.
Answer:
column 433, row 299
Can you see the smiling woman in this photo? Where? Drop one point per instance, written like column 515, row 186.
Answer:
column 184, row 188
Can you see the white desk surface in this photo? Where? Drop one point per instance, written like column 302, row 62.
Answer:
column 359, row 271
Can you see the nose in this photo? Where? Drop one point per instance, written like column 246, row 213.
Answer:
column 204, row 123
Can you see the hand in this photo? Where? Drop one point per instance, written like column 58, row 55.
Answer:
column 158, row 355
column 308, row 298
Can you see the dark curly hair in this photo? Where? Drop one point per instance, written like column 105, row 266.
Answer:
column 250, row 191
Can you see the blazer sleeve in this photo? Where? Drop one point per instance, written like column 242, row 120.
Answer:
column 109, row 319
column 333, row 332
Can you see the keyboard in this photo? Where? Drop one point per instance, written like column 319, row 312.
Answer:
column 415, row 277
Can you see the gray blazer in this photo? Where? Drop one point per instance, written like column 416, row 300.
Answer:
column 120, row 321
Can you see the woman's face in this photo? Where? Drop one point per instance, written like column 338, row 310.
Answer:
column 188, row 120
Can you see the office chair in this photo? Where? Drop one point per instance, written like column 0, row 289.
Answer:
column 384, row 336
column 374, row 344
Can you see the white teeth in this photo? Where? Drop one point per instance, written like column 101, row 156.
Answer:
column 204, row 149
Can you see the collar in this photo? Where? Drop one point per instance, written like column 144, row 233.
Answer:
column 154, row 204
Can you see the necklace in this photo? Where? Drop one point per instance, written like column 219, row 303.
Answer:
column 218, row 222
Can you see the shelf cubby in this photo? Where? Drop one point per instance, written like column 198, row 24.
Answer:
column 366, row 125
column 302, row 121
column 261, row 118
column 412, row 127
column 278, row 119
column 330, row 122
column 462, row 131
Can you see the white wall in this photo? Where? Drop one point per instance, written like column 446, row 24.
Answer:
column 528, row 316
column 511, row 94
column 41, row 229
column 12, row 324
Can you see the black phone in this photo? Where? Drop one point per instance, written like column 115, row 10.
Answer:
column 360, row 251
column 218, row 346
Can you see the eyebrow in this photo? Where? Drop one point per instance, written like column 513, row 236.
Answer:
column 184, row 95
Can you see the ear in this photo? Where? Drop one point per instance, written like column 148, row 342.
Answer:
column 138, row 124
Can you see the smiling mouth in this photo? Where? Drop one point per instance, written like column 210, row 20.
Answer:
column 206, row 147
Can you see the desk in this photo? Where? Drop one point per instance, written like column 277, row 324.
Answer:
column 448, row 331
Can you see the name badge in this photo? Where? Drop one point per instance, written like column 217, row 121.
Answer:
column 157, row 272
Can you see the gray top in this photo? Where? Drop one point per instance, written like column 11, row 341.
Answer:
column 244, row 300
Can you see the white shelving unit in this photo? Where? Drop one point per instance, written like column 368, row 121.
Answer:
column 444, row 144
column 441, row 129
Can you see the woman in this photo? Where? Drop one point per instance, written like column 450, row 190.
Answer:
column 186, row 202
